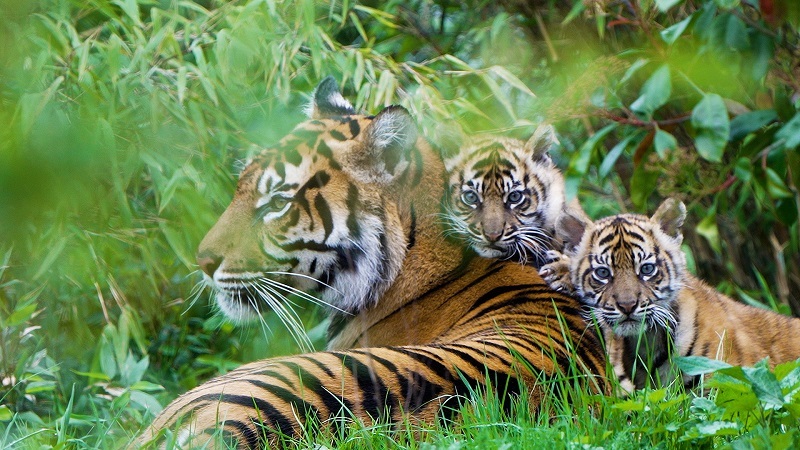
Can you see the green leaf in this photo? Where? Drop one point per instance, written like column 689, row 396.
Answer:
column 5, row 413
column 712, row 126
column 790, row 132
column 727, row 4
column 718, row 428
column 699, row 365
column 664, row 142
column 671, row 34
column 580, row 164
column 708, row 229
column 775, row 185
column 655, row 92
column 746, row 123
column 21, row 315
column 613, row 155
column 666, row 5
column 743, row 170
column 765, row 386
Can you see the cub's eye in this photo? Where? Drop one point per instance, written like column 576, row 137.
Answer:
column 602, row 273
column 514, row 197
column 469, row 197
column 647, row 269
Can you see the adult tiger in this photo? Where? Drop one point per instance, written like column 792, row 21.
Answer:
column 347, row 205
column 630, row 271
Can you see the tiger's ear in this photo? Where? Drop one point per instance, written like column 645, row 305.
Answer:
column 543, row 139
column 670, row 216
column 384, row 154
column 328, row 101
column 571, row 225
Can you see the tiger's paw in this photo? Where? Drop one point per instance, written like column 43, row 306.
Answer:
column 556, row 272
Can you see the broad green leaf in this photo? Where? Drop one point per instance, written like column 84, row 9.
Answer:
column 664, row 142
column 712, row 126
column 655, row 92
column 671, row 34
column 718, row 428
column 746, row 123
column 790, row 132
column 765, row 386
column 630, row 405
column 666, row 5
column 699, row 365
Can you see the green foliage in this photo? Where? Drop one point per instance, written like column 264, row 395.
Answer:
column 125, row 121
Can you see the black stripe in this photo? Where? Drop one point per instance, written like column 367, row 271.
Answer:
column 353, row 206
column 324, row 211
column 412, row 232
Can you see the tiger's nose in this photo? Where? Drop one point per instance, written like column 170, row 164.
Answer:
column 492, row 235
column 626, row 308
column 209, row 263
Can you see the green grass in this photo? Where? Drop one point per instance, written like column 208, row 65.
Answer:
column 125, row 122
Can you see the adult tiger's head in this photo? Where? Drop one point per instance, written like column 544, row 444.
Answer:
column 505, row 195
column 318, row 212
column 628, row 268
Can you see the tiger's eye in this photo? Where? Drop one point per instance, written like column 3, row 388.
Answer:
column 602, row 273
column 514, row 197
column 469, row 197
column 277, row 203
column 647, row 269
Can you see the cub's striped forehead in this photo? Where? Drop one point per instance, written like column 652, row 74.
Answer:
column 628, row 237
column 491, row 163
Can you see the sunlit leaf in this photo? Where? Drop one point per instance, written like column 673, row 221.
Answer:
column 666, row 5
column 671, row 34
column 699, row 365
column 712, row 127
column 655, row 92
column 790, row 132
column 746, row 123
column 664, row 143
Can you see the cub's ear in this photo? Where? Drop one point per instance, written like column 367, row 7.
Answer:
column 328, row 101
column 543, row 139
column 386, row 145
column 571, row 225
column 449, row 138
column 670, row 216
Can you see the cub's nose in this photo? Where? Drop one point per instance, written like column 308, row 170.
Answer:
column 492, row 236
column 626, row 308
column 209, row 262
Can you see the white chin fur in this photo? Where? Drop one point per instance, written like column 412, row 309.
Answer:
column 629, row 328
column 235, row 311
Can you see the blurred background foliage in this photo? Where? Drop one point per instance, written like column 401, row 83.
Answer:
column 125, row 123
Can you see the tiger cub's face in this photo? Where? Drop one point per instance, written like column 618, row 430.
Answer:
column 505, row 195
column 315, row 213
column 628, row 269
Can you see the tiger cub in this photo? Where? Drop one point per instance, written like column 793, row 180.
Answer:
column 504, row 196
column 630, row 272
